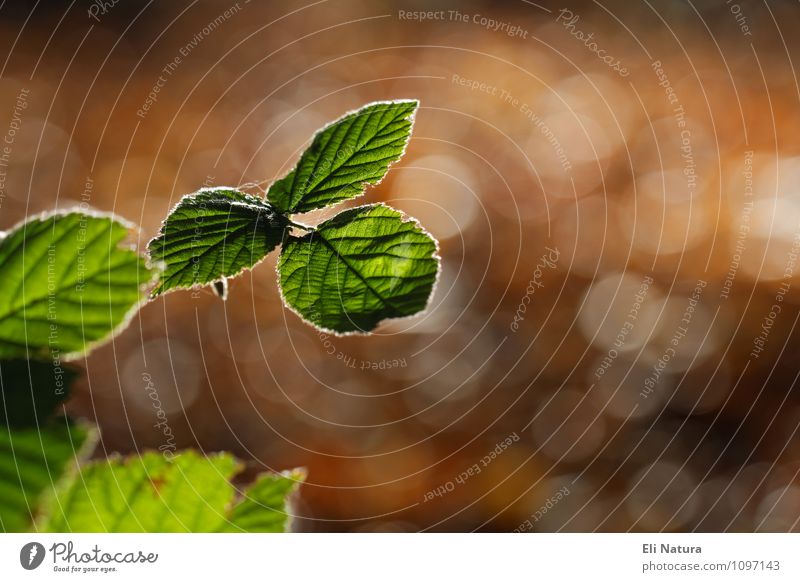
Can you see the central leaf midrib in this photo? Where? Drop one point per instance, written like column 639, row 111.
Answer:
column 357, row 273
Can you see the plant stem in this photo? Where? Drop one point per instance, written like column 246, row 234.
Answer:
column 300, row 226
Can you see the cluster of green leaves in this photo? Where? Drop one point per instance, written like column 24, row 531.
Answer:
column 66, row 284
column 150, row 493
column 347, row 274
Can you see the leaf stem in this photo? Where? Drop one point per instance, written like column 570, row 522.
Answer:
column 301, row 226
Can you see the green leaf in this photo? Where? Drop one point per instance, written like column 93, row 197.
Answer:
column 363, row 265
column 146, row 493
column 31, row 390
column 214, row 233
column 345, row 156
column 150, row 493
column 264, row 505
column 66, row 284
column 33, row 462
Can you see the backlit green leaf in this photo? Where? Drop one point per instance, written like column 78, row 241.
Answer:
column 363, row 265
column 146, row 493
column 345, row 156
column 215, row 233
column 33, row 462
column 264, row 505
column 65, row 284
column 188, row 492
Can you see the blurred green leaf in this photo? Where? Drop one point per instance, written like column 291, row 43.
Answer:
column 215, row 233
column 348, row 154
column 65, row 284
column 151, row 493
column 362, row 266
column 33, row 462
column 146, row 493
column 264, row 505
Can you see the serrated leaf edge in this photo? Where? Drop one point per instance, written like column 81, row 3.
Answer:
column 411, row 118
column 404, row 218
column 153, row 269
column 156, row 291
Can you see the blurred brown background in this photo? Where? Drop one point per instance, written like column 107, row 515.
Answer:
column 566, row 190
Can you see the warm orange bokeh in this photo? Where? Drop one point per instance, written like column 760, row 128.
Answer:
column 667, row 192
